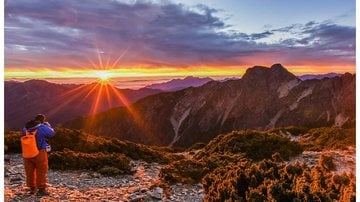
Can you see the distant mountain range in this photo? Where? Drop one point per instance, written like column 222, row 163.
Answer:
column 263, row 98
column 318, row 76
column 190, row 81
column 62, row 102
column 179, row 84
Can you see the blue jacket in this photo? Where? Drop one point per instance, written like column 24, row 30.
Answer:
column 44, row 131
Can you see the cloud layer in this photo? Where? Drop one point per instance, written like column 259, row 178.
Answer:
column 75, row 33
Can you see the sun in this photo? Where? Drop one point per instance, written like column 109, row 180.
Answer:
column 103, row 76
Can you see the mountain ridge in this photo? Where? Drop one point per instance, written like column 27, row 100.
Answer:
column 318, row 76
column 61, row 102
column 179, row 84
column 264, row 98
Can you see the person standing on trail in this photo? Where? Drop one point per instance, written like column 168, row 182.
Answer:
column 36, row 168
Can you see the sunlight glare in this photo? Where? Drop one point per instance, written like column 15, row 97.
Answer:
column 103, row 76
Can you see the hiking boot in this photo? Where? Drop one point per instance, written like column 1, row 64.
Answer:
column 43, row 192
column 32, row 190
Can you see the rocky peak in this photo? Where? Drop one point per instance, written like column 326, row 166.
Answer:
column 277, row 67
column 348, row 75
column 275, row 74
column 279, row 70
column 254, row 72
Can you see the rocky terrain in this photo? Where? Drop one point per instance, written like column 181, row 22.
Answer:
column 202, row 165
column 143, row 185
column 263, row 98
column 344, row 160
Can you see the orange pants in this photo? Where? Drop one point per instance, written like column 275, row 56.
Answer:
column 36, row 170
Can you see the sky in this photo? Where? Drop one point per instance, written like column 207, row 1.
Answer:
column 77, row 39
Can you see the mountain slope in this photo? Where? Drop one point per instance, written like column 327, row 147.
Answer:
column 264, row 98
column 23, row 100
column 179, row 84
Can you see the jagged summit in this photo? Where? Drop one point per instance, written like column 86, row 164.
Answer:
column 276, row 72
column 277, row 66
column 255, row 71
column 279, row 69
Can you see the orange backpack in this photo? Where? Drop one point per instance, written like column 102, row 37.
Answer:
column 28, row 145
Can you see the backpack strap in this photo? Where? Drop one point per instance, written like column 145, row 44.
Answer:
column 31, row 133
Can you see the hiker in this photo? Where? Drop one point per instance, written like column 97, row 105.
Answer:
column 36, row 167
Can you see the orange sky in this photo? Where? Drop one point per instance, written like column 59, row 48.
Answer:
column 42, row 73
column 153, row 39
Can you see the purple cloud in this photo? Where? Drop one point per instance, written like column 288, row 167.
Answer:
column 61, row 33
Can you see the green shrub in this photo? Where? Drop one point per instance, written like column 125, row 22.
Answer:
column 184, row 171
column 234, row 147
column 139, row 151
column 79, row 141
column 193, row 170
column 327, row 162
column 71, row 139
column 255, row 145
column 12, row 142
column 196, row 146
column 329, row 138
column 167, row 149
column 71, row 160
column 269, row 180
column 293, row 130
column 220, row 160
column 110, row 171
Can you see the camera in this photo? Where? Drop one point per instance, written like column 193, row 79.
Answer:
column 48, row 148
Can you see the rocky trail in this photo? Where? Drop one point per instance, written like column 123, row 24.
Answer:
column 344, row 160
column 143, row 185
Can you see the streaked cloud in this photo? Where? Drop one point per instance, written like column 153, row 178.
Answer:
column 75, row 34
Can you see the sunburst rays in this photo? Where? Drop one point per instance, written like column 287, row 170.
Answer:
column 100, row 95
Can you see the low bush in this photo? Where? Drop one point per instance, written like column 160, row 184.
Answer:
column 184, row 171
column 71, row 160
column 70, row 139
column 196, row 146
column 12, row 142
column 191, row 171
column 234, row 147
column 79, row 141
column 255, row 145
column 329, row 138
column 110, row 171
column 64, row 139
column 220, row 160
column 269, row 180
column 327, row 162
column 139, row 151
column 293, row 130
column 168, row 149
